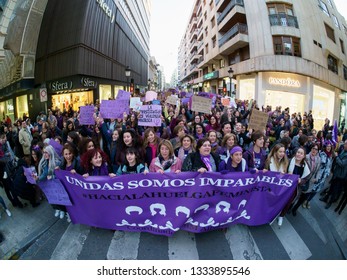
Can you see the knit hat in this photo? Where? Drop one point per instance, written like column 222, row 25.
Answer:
column 235, row 149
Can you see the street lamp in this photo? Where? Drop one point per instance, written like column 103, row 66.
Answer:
column 231, row 72
column 127, row 74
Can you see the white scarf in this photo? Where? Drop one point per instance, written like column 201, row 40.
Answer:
column 292, row 165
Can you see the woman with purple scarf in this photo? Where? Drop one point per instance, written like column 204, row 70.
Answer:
column 235, row 162
column 95, row 163
column 203, row 160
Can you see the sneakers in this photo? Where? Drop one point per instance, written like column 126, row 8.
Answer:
column 8, row 212
column 5, row 175
column 61, row 214
column 308, row 206
column 280, row 221
column 56, row 214
column 304, row 205
column 68, row 217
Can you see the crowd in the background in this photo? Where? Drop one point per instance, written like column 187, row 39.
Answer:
column 185, row 141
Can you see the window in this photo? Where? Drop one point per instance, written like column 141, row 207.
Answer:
column 284, row 45
column 330, row 32
column 332, row 64
column 336, row 22
column 221, row 63
column 206, row 31
column 344, row 72
column 214, row 42
column 323, row 7
column 206, row 48
column 213, row 22
column 282, row 14
column 211, row 5
column 342, row 46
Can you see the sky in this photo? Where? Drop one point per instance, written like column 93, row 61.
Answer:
column 168, row 22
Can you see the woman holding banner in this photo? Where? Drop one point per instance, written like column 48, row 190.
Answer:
column 235, row 162
column 298, row 166
column 48, row 163
column 166, row 161
column 203, row 159
column 95, row 163
column 277, row 159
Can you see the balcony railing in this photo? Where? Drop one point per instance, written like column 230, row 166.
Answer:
column 216, row 2
column 192, row 67
column 200, row 45
column 228, row 8
column 283, row 20
column 236, row 29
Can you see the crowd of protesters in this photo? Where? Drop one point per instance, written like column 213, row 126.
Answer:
column 185, row 141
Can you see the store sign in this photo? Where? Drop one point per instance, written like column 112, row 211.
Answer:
column 58, row 86
column 107, row 10
column 212, row 75
column 286, row 82
column 87, row 82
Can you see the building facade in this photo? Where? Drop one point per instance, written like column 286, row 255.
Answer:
column 79, row 55
column 282, row 53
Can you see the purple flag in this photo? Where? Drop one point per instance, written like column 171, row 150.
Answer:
column 165, row 203
column 29, row 175
column 55, row 192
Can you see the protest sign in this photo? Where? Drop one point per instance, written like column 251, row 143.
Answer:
column 172, row 99
column 86, row 115
column 150, row 115
column 113, row 109
column 165, row 203
column 29, row 175
column 226, row 102
column 55, row 192
column 201, row 104
column 135, row 102
column 56, row 146
column 151, row 95
column 156, row 102
column 258, row 120
column 123, row 95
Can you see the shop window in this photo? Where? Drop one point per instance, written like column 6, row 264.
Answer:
column 345, row 72
column 22, row 106
column 330, row 32
column 336, row 22
column 286, row 45
column 105, row 92
column 323, row 7
column 332, row 64
column 342, row 46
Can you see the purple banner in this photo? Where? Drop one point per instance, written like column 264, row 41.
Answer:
column 165, row 203
column 28, row 172
column 87, row 115
column 113, row 109
column 55, row 192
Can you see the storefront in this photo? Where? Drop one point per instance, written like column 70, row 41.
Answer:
column 74, row 99
column 7, row 109
column 22, row 106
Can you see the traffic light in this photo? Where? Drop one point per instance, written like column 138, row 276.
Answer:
column 132, row 85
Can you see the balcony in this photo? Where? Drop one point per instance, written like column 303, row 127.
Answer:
column 283, row 20
column 238, row 28
column 216, row 2
column 200, row 45
column 228, row 8
column 193, row 67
